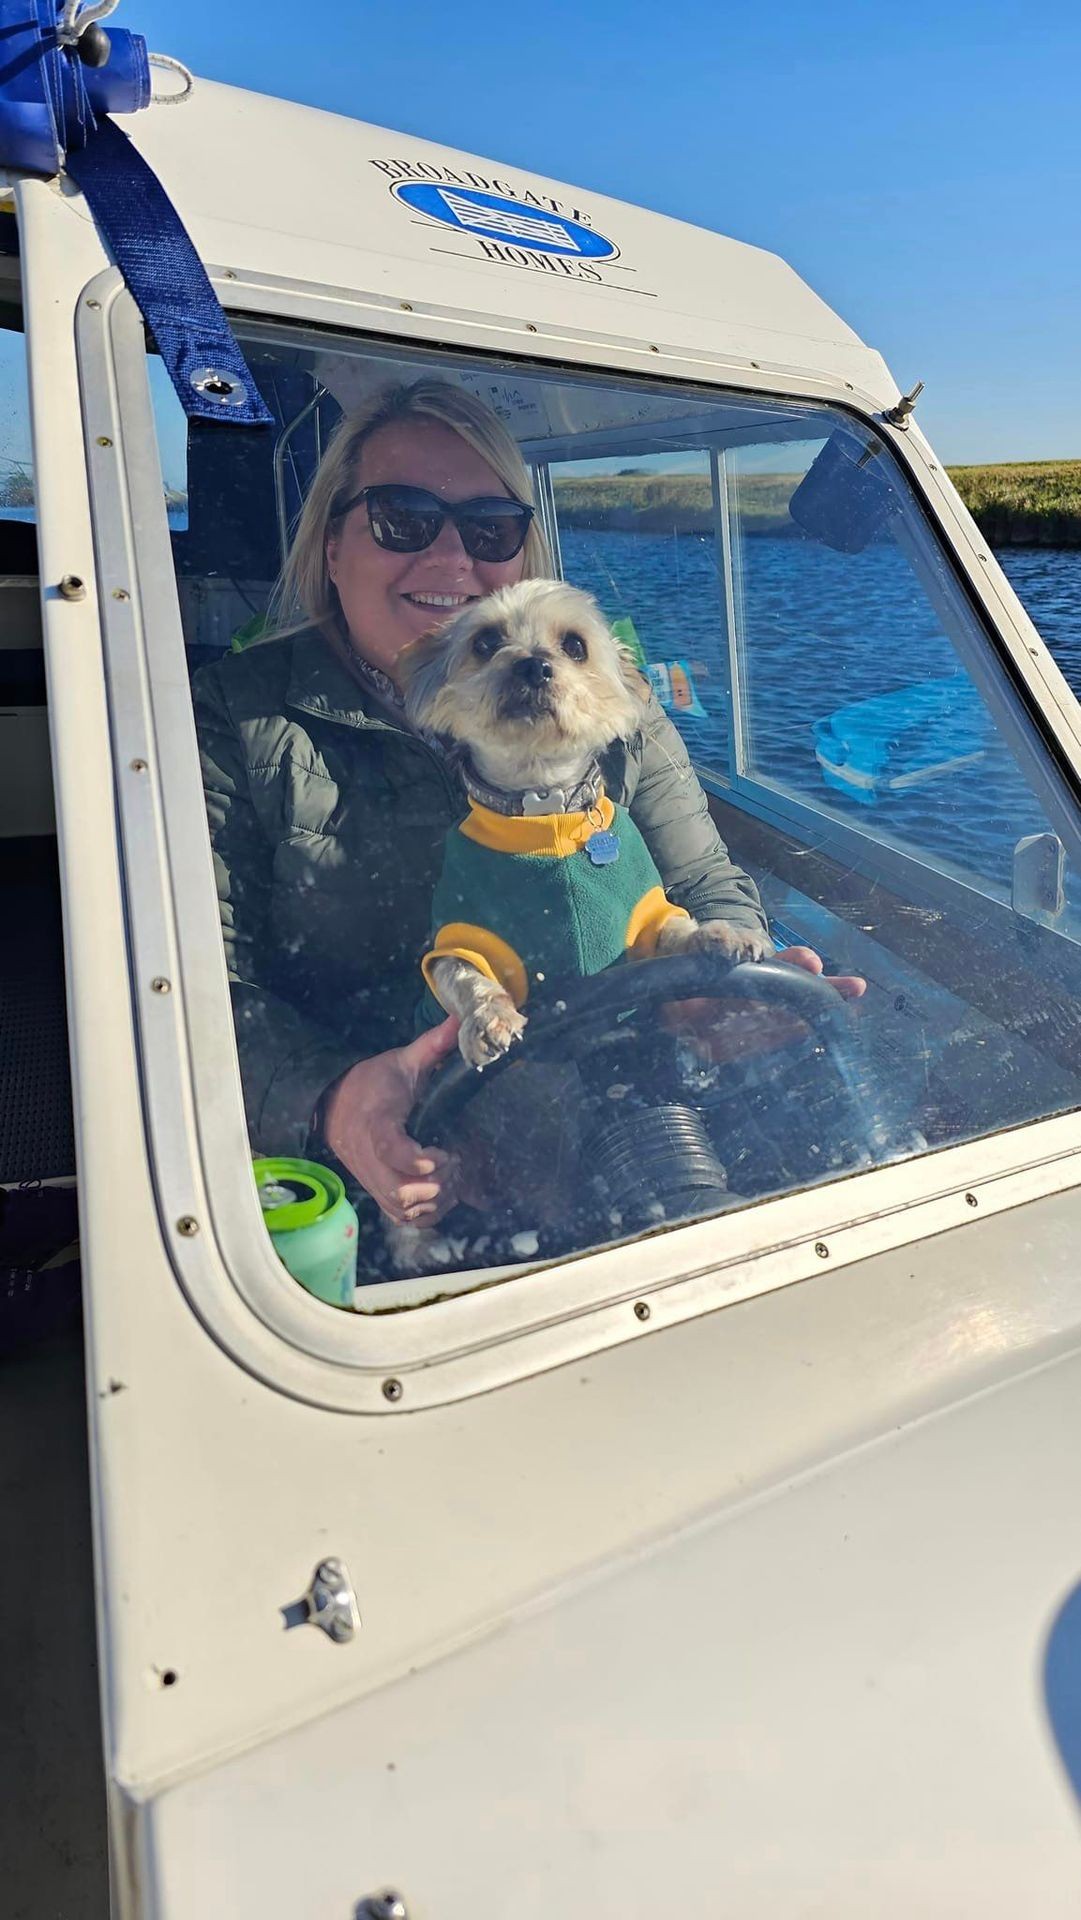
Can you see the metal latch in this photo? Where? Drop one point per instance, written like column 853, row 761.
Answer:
column 330, row 1603
column 382, row 1906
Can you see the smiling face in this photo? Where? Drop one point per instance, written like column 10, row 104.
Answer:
column 391, row 599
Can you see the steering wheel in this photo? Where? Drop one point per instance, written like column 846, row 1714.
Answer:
column 652, row 1157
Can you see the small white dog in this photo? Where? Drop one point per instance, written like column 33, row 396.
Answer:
column 545, row 879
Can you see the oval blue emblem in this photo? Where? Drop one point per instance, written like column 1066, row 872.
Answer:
column 489, row 218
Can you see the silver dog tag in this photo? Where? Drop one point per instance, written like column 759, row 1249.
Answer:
column 544, row 800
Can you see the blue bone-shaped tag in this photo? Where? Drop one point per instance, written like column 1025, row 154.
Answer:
column 603, row 849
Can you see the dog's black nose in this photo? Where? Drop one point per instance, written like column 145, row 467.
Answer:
column 535, row 669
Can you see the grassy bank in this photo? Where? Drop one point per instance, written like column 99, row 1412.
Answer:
column 1024, row 504
column 663, row 502
column 1036, row 503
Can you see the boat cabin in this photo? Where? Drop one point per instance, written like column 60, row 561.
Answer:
column 867, row 1211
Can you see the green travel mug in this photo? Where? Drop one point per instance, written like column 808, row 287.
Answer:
column 312, row 1226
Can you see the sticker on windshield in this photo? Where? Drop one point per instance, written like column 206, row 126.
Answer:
column 496, row 219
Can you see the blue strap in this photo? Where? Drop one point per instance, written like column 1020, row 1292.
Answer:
column 167, row 279
column 53, row 114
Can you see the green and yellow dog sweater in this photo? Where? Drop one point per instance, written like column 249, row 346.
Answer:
column 521, row 900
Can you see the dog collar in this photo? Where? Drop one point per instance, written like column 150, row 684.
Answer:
column 580, row 798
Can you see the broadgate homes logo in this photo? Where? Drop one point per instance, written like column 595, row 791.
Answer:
column 491, row 219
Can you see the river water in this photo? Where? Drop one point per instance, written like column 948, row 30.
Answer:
column 1049, row 585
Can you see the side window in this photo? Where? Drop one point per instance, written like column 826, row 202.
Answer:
column 18, row 547
column 26, row 806
column 172, row 426
column 36, row 1134
column 863, row 669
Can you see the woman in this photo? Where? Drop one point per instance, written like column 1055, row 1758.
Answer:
column 328, row 815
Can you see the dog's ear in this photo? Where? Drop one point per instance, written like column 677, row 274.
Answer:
column 423, row 668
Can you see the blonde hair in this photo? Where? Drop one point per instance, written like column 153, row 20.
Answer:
column 304, row 594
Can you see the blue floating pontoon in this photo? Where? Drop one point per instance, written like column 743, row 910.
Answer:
column 901, row 739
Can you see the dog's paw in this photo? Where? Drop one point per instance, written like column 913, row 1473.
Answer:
column 413, row 1250
column 490, row 1030
column 719, row 936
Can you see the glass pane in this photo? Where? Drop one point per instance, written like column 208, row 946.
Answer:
column 172, row 428
column 643, row 539
column 16, row 459
column 26, row 796
column 886, row 797
column 858, row 649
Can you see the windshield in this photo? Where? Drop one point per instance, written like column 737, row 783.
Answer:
column 778, row 728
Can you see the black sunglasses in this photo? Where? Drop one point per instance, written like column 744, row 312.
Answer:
column 408, row 519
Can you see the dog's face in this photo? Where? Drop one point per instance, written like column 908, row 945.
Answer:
column 533, row 666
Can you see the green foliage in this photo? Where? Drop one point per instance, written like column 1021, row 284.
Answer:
column 1024, row 503
column 667, row 502
column 1028, row 503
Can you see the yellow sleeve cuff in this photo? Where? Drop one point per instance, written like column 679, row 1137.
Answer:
column 481, row 949
column 653, row 911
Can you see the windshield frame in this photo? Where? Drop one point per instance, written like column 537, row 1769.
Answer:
column 193, row 1109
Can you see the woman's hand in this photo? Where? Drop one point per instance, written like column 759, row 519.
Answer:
column 726, row 1031
column 363, row 1124
column 849, row 985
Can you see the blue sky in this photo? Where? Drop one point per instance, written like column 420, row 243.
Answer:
column 919, row 164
